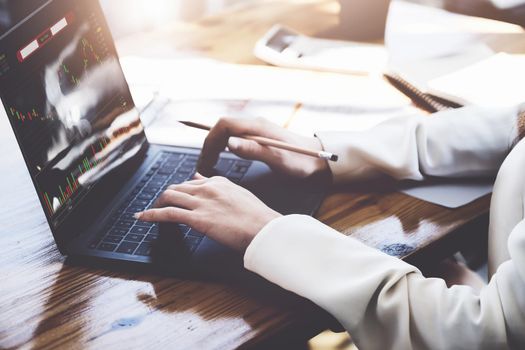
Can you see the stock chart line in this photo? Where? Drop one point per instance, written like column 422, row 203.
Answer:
column 23, row 116
column 65, row 70
column 89, row 51
column 71, row 184
column 89, row 58
column 31, row 115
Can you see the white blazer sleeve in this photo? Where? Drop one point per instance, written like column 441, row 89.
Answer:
column 385, row 303
column 471, row 141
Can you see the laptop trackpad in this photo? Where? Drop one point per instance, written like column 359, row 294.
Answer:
column 213, row 258
column 172, row 251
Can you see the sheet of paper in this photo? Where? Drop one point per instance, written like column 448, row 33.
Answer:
column 166, row 130
column 448, row 193
column 190, row 79
column 310, row 119
column 495, row 82
column 299, row 118
column 204, row 90
column 419, row 73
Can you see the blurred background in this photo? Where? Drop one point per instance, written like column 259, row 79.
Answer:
column 141, row 15
column 127, row 16
column 131, row 16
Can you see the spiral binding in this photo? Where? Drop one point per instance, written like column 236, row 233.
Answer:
column 428, row 102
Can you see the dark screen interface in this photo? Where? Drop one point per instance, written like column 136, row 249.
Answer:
column 67, row 100
column 12, row 11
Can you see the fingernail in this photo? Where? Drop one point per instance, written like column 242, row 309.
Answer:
column 233, row 143
column 137, row 215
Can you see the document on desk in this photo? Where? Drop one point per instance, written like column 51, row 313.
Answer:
column 203, row 90
column 191, row 79
column 304, row 119
column 166, row 130
column 449, row 193
column 496, row 82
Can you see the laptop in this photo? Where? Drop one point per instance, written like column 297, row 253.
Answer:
column 81, row 136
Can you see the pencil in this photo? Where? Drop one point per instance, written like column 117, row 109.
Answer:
column 273, row 143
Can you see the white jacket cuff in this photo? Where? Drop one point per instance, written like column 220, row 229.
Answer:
column 470, row 141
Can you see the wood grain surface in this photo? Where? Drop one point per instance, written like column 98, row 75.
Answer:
column 47, row 304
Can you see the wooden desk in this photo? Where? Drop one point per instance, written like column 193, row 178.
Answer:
column 45, row 303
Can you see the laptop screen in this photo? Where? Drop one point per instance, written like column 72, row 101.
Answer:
column 11, row 12
column 67, row 100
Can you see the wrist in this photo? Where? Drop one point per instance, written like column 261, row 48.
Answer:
column 262, row 223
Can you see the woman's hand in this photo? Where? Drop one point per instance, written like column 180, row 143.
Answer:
column 222, row 135
column 216, row 207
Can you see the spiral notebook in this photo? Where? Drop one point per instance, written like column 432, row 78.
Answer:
column 496, row 81
column 423, row 100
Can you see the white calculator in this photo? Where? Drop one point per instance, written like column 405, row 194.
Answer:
column 284, row 47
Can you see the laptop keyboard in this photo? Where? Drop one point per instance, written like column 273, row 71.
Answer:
column 124, row 234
